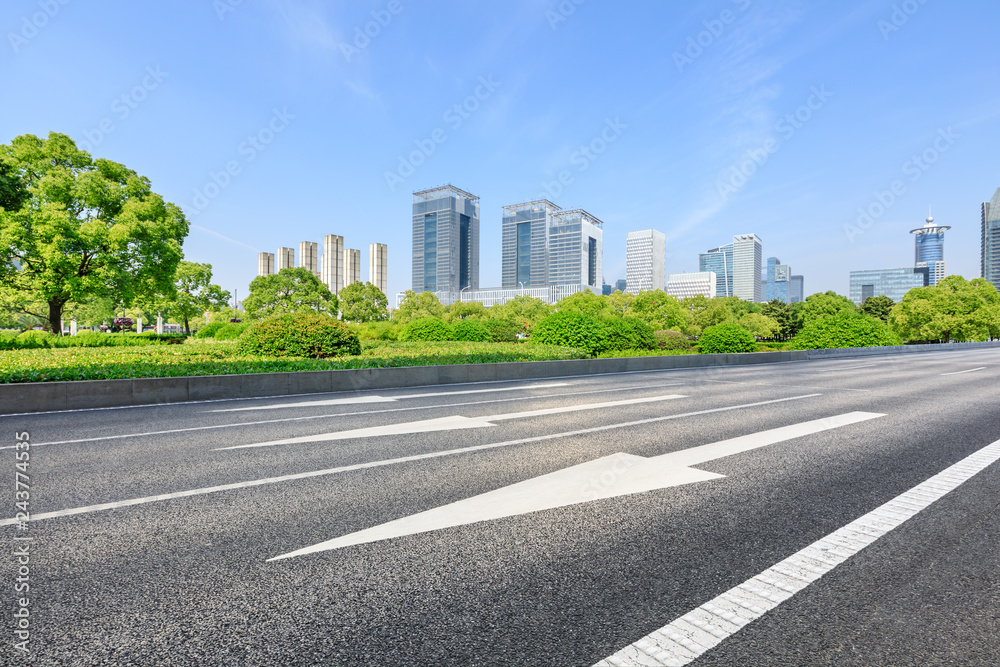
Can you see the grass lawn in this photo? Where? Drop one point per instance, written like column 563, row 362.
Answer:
column 197, row 357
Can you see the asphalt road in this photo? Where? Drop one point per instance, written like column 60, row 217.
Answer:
column 121, row 575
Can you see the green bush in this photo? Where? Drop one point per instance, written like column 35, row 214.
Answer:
column 299, row 335
column 571, row 330
column 501, row 331
column 627, row 333
column 34, row 339
column 7, row 339
column 378, row 331
column 208, row 331
column 230, row 331
column 726, row 338
column 427, row 328
column 472, row 330
column 845, row 329
column 672, row 340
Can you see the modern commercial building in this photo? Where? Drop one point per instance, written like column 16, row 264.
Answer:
column 776, row 285
column 929, row 249
column 495, row 296
column 747, row 255
column 893, row 283
column 378, row 266
column 720, row 262
column 684, row 285
column 285, row 259
column 796, row 289
column 445, row 240
column 576, row 250
column 332, row 263
column 621, row 285
column 309, row 257
column 645, row 260
column 265, row 263
column 352, row 266
column 607, row 290
column 991, row 240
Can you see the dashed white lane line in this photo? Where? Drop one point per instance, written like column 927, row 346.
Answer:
column 971, row 370
column 377, row 464
column 373, row 398
column 341, row 414
column 685, row 639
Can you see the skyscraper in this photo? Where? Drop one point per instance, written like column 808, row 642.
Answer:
column 576, row 240
column 309, row 257
column 378, row 266
column 352, row 266
column 747, row 254
column 929, row 249
column 285, row 259
column 645, row 260
column 991, row 240
column 445, row 240
column 265, row 263
column 778, row 277
column 720, row 262
column 525, row 238
column 796, row 289
column 332, row 267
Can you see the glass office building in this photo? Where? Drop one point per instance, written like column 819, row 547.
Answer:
column 445, row 240
column 929, row 249
column 991, row 240
column 796, row 289
column 720, row 262
column 525, row 238
column 575, row 249
column 778, row 280
column 748, row 251
column 893, row 283
column 645, row 260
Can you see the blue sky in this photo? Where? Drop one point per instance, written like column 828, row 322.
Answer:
column 683, row 107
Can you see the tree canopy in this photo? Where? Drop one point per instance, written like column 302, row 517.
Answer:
column 193, row 294
column 825, row 304
column 416, row 306
column 291, row 290
column 363, row 302
column 523, row 312
column 86, row 228
column 954, row 309
column 878, row 307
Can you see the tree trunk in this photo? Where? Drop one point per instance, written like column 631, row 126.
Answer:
column 55, row 316
column 187, row 326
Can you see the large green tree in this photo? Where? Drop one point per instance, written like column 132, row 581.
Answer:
column 417, row 306
column 878, row 307
column 363, row 302
column 88, row 228
column 954, row 309
column 290, row 290
column 660, row 310
column 585, row 302
column 13, row 191
column 193, row 294
column 523, row 312
column 784, row 315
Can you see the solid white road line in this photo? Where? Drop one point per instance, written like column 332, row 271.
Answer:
column 342, row 414
column 354, row 400
column 971, row 370
column 607, row 477
column 685, row 639
column 450, row 423
column 378, row 464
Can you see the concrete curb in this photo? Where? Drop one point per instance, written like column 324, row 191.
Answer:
column 31, row 397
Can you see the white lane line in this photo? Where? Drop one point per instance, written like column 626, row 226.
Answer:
column 342, row 414
column 847, row 368
column 379, row 464
column 686, row 638
column 628, row 475
column 450, row 423
column 355, row 400
column 971, row 370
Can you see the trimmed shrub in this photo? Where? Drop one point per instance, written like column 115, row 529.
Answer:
column 378, row 330
column 472, row 330
column 208, row 331
column 843, row 330
column 571, row 330
column 501, row 331
column 230, row 331
column 726, row 338
column 7, row 340
column 627, row 333
column 672, row 340
column 427, row 328
column 299, row 335
column 34, row 339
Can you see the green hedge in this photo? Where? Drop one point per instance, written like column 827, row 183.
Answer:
column 725, row 339
column 845, row 329
column 230, row 331
column 427, row 329
column 472, row 330
column 627, row 333
column 208, row 331
column 571, row 330
column 34, row 340
column 672, row 340
column 501, row 331
column 299, row 335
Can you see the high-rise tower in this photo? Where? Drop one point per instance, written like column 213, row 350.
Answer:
column 645, row 260
column 445, row 240
column 991, row 240
column 929, row 249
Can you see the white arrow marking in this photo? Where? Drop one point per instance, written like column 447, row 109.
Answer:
column 447, row 423
column 607, row 477
column 355, row 400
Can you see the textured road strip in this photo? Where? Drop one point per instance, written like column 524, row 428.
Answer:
column 971, row 370
column 377, row 464
column 340, row 414
column 371, row 398
column 685, row 639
